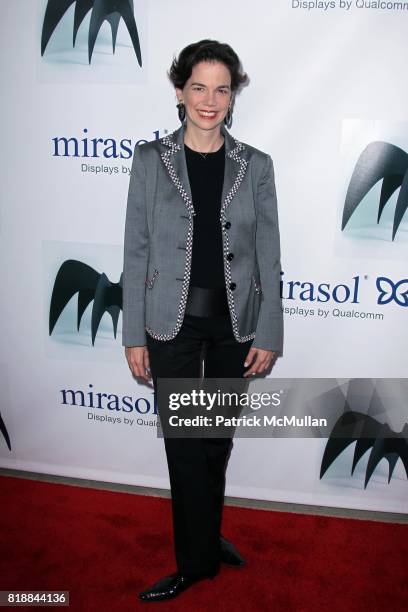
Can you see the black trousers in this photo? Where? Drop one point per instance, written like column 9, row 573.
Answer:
column 197, row 465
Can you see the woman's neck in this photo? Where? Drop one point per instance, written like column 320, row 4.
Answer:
column 204, row 141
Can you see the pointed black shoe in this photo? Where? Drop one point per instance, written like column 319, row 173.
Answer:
column 171, row 586
column 230, row 555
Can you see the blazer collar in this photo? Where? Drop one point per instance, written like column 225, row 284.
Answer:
column 175, row 161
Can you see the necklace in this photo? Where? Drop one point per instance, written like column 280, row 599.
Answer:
column 204, row 155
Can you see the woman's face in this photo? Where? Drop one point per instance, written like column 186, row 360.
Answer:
column 206, row 94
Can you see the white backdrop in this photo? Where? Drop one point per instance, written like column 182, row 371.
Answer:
column 326, row 80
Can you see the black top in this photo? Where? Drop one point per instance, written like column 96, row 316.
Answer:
column 206, row 176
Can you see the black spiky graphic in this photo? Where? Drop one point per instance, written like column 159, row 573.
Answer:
column 367, row 433
column 76, row 277
column 109, row 10
column 379, row 160
column 4, row 431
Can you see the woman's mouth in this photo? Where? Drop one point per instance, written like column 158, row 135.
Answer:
column 207, row 114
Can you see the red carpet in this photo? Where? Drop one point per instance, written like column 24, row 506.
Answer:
column 104, row 547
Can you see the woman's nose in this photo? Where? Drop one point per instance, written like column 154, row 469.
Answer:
column 210, row 98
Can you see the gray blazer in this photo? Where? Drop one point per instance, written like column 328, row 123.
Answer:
column 159, row 235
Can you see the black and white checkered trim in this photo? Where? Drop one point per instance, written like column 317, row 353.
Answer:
column 169, row 142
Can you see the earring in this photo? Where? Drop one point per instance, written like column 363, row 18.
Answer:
column 228, row 117
column 181, row 111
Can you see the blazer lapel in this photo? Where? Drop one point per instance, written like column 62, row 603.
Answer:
column 175, row 161
column 235, row 168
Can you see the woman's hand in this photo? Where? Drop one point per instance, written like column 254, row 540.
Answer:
column 138, row 360
column 263, row 361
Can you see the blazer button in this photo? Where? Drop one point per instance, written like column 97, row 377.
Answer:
column 230, row 256
column 232, row 286
column 227, row 225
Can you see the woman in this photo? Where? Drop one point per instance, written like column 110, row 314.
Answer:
column 201, row 280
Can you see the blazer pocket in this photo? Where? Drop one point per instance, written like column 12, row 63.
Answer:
column 150, row 281
column 257, row 285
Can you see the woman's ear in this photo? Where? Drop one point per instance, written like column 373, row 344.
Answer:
column 179, row 94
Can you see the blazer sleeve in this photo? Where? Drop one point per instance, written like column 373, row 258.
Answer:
column 269, row 330
column 135, row 257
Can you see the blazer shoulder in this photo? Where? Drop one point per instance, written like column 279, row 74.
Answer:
column 260, row 162
column 148, row 151
column 255, row 155
column 152, row 145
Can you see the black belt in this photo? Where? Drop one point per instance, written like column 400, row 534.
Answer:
column 205, row 302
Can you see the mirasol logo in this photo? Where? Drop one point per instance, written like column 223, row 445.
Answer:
column 106, row 148
column 117, row 405
column 388, row 291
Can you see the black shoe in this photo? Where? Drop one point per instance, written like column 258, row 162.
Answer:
column 171, row 586
column 230, row 555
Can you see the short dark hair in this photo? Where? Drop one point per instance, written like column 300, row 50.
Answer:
column 207, row 50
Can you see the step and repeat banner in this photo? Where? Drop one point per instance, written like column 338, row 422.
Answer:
column 83, row 84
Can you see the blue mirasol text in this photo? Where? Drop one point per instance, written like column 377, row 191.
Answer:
column 323, row 292
column 108, row 401
column 107, row 148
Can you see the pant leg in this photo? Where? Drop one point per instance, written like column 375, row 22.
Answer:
column 224, row 358
column 196, row 538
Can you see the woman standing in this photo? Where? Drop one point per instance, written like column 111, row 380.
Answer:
column 201, row 280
